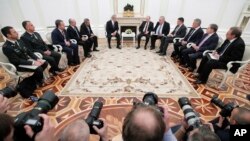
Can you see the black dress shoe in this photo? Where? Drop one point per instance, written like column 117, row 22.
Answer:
column 72, row 64
column 60, row 70
column 137, row 47
column 162, row 54
column 109, row 47
column 53, row 72
column 152, row 48
column 119, row 47
column 158, row 51
column 199, row 82
column 95, row 50
column 145, row 48
column 190, row 69
column 89, row 55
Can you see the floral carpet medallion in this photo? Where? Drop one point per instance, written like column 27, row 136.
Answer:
column 128, row 72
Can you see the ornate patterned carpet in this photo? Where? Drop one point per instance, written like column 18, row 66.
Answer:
column 72, row 107
column 127, row 73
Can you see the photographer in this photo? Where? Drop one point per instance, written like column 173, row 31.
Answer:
column 145, row 123
column 79, row 130
column 4, row 104
column 239, row 116
column 7, row 129
column 202, row 133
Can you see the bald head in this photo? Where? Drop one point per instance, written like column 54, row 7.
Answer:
column 148, row 18
column 143, row 123
column 76, row 131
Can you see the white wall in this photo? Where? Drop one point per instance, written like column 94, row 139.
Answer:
column 43, row 13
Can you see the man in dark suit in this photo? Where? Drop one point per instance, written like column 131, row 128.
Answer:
column 73, row 33
column 145, row 29
column 178, row 32
column 112, row 29
column 35, row 43
column 18, row 54
column 231, row 50
column 86, row 30
column 209, row 41
column 194, row 34
column 161, row 29
column 59, row 36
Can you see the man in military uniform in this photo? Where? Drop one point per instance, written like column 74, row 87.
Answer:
column 24, row 60
column 35, row 43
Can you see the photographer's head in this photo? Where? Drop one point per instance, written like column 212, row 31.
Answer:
column 7, row 127
column 143, row 123
column 240, row 115
column 76, row 131
column 203, row 133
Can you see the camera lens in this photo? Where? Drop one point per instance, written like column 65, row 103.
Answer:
column 8, row 92
column 191, row 117
column 217, row 102
column 150, row 98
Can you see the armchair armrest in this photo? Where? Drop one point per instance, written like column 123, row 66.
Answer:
column 57, row 48
column 85, row 37
column 73, row 41
column 207, row 51
column 10, row 68
column 39, row 55
column 190, row 44
column 230, row 64
column 175, row 40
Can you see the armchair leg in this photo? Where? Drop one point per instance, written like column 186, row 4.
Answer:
column 223, row 80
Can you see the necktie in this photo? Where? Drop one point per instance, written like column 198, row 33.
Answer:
column 177, row 28
column 159, row 30
column 203, row 41
column 146, row 27
column 34, row 36
column 191, row 33
column 16, row 44
column 89, row 30
column 76, row 32
column 113, row 23
column 63, row 34
column 224, row 48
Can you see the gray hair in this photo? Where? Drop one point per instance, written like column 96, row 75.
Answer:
column 198, row 21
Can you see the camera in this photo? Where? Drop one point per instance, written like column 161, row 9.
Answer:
column 92, row 119
column 190, row 115
column 226, row 109
column 150, row 99
column 31, row 118
column 8, row 92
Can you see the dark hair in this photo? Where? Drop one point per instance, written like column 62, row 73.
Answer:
column 181, row 19
column 6, row 30
column 133, row 131
column 204, row 134
column 214, row 27
column 24, row 24
column 57, row 22
column 236, row 31
column 7, row 125
column 240, row 117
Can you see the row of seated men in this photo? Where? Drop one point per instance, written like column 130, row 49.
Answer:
column 22, row 51
column 142, row 123
column 232, row 49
